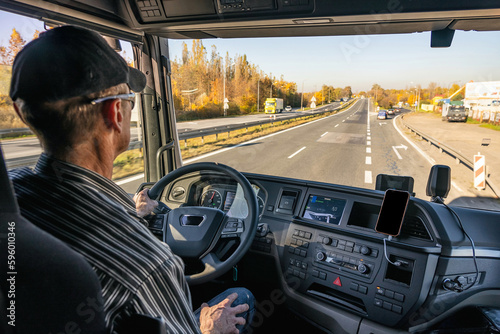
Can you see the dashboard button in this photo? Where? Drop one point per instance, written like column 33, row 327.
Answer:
column 354, row 286
column 378, row 302
column 397, row 309
column 380, row 291
column 364, row 250
column 399, row 297
column 363, row 269
column 363, row 289
column 320, row 256
column 386, row 305
column 315, row 273
column 389, row 294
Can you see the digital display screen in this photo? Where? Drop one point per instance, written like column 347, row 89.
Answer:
column 324, row 209
column 229, row 200
column 392, row 212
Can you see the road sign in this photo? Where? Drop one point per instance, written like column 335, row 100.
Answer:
column 479, row 172
column 226, row 100
column 226, row 106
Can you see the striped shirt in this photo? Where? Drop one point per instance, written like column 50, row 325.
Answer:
column 95, row 217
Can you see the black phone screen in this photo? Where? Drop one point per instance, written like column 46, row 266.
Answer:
column 392, row 212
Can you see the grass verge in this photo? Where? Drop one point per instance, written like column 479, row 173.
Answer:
column 484, row 125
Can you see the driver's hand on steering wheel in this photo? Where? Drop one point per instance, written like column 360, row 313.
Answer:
column 221, row 318
column 143, row 204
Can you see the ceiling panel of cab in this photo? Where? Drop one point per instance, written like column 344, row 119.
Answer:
column 268, row 18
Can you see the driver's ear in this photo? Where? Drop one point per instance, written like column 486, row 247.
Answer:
column 19, row 113
column 112, row 113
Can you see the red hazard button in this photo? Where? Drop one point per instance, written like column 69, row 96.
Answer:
column 337, row 281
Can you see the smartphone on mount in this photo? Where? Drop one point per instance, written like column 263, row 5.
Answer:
column 392, row 212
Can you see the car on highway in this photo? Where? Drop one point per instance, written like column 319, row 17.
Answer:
column 288, row 108
column 397, row 109
column 390, row 111
column 382, row 114
column 337, row 222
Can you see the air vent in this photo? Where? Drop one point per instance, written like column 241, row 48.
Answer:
column 415, row 227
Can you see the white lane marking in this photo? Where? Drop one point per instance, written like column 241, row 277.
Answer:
column 397, row 147
column 368, row 176
column 130, row 179
column 368, row 137
column 324, row 134
column 368, row 143
column 260, row 138
column 429, row 159
column 368, row 160
column 343, row 120
column 336, row 125
column 303, row 148
column 397, row 153
column 368, row 150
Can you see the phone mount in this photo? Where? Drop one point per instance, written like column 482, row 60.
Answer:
column 439, row 183
column 386, row 181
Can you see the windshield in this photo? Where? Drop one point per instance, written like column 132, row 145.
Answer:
column 334, row 130
column 336, row 87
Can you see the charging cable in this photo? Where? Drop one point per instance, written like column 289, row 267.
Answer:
column 397, row 263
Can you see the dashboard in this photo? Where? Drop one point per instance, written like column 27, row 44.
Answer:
column 333, row 265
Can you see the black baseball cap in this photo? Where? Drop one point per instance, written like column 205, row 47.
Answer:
column 68, row 62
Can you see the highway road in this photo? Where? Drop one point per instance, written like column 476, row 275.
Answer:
column 349, row 148
column 19, row 151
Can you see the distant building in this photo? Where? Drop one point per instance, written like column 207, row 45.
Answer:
column 485, row 93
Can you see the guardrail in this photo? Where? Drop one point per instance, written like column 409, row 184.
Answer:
column 184, row 135
column 189, row 134
column 15, row 132
column 460, row 158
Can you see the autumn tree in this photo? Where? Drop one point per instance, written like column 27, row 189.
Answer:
column 16, row 43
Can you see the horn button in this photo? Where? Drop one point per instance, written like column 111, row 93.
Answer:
column 191, row 230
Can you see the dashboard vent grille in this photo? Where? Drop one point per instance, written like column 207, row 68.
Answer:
column 415, row 227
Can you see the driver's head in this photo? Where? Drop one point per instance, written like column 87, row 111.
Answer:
column 56, row 77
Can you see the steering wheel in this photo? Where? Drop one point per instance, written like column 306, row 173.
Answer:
column 193, row 232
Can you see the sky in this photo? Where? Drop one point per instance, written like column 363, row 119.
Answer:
column 392, row 61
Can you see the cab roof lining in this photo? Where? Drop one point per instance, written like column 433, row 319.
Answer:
column 123, row 19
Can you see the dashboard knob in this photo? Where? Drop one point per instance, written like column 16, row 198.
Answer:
column 320, row 256
column 327, row 240
column 365, row 250
column 362, row 268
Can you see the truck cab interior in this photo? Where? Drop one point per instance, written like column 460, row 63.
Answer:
column 310, row 251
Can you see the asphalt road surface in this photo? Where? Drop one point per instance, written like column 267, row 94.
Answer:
column 349, row 148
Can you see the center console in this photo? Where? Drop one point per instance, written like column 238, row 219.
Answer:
column 326, row 261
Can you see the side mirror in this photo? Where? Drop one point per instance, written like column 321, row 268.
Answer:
column 439, row 182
